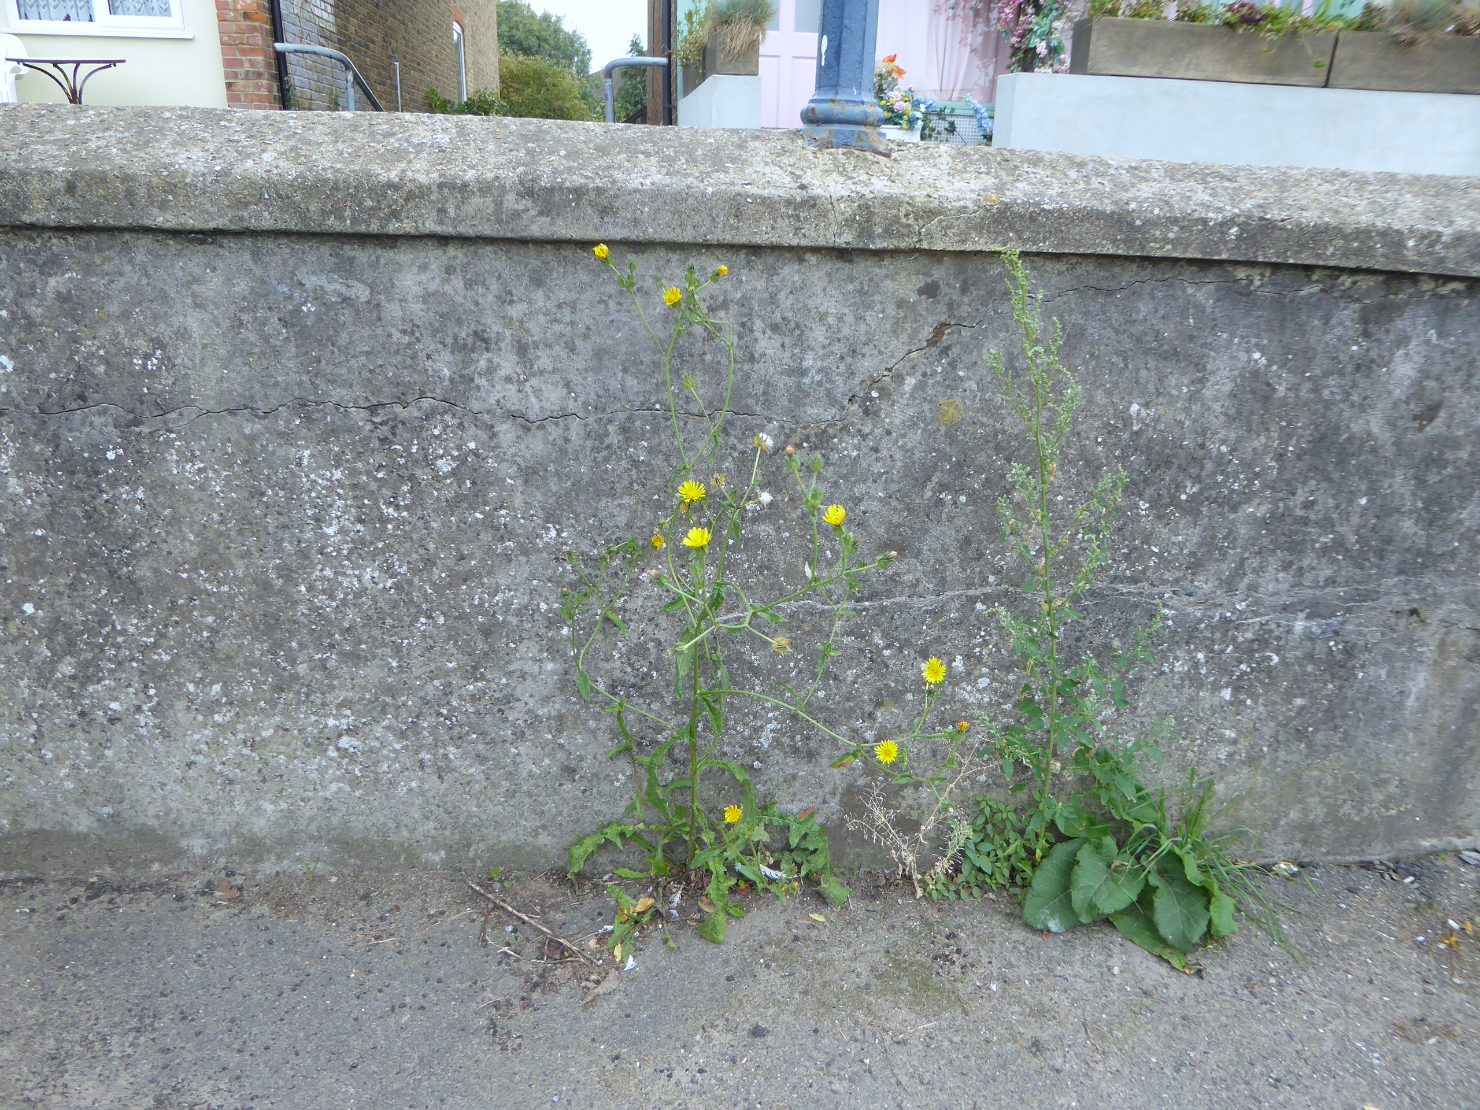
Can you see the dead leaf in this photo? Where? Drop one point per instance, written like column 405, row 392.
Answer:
column 818, row 918
column 705, row 904
column 226, row 891
column 612, row 981
column 645, row 903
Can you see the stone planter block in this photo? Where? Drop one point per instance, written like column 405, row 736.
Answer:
column 1374, row 60
column 747, row 64
column 1110, row 47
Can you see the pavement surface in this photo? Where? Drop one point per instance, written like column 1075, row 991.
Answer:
column 354, row 990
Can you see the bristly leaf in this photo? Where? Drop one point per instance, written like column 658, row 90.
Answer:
column 1134, row 924
column 1179, row 909
column 1049, row 905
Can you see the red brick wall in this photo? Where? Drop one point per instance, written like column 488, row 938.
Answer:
column 245, row 27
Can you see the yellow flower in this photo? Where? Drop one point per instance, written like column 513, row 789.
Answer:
column 600, row 250
column 933, row 671
column 659, row 543
column 962, row 726
column 835, row 515
column 733, row 814
column 722, row 271
column 691, row 491
column 697, row 538
column 672, row 295
column 887, row 752
column 781, row 645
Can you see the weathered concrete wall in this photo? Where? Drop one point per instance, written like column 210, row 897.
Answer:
column 284, row 513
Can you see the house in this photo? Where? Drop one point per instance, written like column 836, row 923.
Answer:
column 949, row 49
column 219, row 53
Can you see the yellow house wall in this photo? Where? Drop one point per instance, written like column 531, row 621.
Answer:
column 156, row 71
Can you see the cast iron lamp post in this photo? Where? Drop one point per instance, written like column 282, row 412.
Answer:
column 843, row 112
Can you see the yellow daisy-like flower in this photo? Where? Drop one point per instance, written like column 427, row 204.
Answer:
column 733, row 814
column 887, row 752
column 835, row 515
column 659, row 543
column 691, row 492
column 600, row 250
column 933, row 671
column 697, row 538
column 962, row 726
column 722, row 271
column 672, row 295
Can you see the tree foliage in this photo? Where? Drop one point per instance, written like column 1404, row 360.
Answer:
column 534, row 88
column 522, row 30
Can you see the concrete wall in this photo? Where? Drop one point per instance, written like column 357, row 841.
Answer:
column 178, row 68
column 1239, row 124
column 288, row 484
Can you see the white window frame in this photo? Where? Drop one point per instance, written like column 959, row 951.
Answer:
column 460, row 50
column 104, row 24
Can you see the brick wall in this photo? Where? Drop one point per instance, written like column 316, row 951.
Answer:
column 375, row 33
column 245, row 28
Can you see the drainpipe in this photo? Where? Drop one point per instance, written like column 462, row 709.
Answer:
column 668, row 53
column 279, row 60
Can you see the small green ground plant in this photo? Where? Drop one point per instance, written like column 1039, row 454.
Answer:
column 694, row 814
column 1080, row 834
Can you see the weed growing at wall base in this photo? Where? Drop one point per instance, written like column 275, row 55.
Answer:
column 1079, row 833
column 694, row 814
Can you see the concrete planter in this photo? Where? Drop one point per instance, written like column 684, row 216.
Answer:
column 1373, row 60
column 746, row 64
column 1110, row 47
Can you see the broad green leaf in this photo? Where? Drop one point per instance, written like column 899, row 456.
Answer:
column 1139, row 929
column 1220, row 914
column 1103, row 883
column 1049, row 904
column 628, row 873
column 1179, row 909
column 712, row 928
column 673, row 606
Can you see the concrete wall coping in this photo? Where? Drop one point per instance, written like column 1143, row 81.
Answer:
column 201, row 170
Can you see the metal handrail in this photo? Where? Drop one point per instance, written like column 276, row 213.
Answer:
column 351, row 74
column 622, row 63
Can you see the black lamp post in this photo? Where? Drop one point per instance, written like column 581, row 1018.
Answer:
column 843, row 112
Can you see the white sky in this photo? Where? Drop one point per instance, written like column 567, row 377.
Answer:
column 607, row 24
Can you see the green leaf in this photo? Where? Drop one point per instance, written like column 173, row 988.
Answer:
column 583, row 684
column 628, row 873
column 836, row 892
column 1220, row 914
column 1179, row 909
column 1189, row 867
column 1103, row 883
column 674, row 606
column 1139, row 929
column 1049, row 904
column 712, row 928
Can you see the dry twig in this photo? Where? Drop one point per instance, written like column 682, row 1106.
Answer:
column 532, row 923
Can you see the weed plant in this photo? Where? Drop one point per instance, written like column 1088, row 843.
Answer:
column 694, row 813
column 1080, row 832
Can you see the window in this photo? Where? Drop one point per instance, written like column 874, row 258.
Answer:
column 460, row 56
column 122, row 18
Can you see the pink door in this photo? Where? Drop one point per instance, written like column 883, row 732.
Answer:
column 789, row 62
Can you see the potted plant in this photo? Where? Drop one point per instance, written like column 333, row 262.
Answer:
column 1418, row 46
column 903, row 114
column 732, row 31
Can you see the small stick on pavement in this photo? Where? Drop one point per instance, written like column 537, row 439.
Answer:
column 556, row 937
